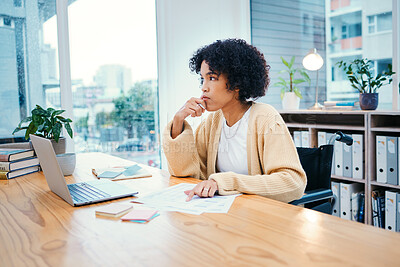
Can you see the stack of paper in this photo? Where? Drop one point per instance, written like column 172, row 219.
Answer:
column 174, row 199
column 113, row 210
column 140, row 216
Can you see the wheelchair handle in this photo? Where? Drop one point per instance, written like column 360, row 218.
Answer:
column 341, row 137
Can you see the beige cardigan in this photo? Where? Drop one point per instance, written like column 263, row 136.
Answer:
column 273, row 164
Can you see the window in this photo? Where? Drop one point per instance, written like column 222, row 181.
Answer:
column 282, row 30
column 345, row 35
column 114, row 78
column 26, row 61
column 18, row 3
column 7, row 21
column 380, row 22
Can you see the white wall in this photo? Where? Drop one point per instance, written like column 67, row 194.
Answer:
column 183, row 26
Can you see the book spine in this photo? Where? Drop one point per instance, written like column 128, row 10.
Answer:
column 5, row 166
column 361, row 210
column 381, row 211
column 3, row 175
column 22, row 174
column 5, row 158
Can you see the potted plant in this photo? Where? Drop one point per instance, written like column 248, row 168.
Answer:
column 47, row 123
column 361, row 76
column 290, row 93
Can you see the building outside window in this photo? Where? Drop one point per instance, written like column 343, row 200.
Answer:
column 351, row 29
column 369, row 36
column 27, row 63
column 113, row 69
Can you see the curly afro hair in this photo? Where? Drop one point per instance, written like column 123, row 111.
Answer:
column 244, row 65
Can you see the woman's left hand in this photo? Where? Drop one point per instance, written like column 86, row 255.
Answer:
column 203, row 189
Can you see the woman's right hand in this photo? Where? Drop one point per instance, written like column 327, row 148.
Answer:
column 190, row 108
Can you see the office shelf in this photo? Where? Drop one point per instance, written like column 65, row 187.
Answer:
column 361, row 181
column 368, row 123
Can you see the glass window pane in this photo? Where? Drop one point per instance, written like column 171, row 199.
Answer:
column 278, row 30
column 370, row 19
column 28, row 62
column 371, row 29
column 114, row 76
column 384, row 22
column 360, row 44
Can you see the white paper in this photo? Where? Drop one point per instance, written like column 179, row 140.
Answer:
column 173, row 198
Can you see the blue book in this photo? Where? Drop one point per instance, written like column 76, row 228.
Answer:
column 9, row 154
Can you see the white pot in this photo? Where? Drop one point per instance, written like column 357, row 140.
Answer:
column 290, row 101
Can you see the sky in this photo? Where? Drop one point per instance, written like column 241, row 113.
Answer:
column 109, row 32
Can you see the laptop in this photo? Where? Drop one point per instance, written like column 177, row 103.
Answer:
column 77, row 194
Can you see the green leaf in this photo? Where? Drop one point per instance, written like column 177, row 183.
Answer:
column 31, row 130
column 283, row 91
column 285, row 62
column 297, row 81
column 291, row 62
column 56, row 130
column 57, row 112
column 297, row 92
column 69, row 129
column 63, row 119
column 305, row 75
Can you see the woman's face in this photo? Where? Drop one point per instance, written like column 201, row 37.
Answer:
column 215, row 90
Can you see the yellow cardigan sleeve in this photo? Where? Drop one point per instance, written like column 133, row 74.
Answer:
column 186, row 157
column 282, row 176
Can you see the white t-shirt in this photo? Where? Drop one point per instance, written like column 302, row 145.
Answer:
column 232, row 148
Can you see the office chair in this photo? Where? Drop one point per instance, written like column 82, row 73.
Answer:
column 317, row 164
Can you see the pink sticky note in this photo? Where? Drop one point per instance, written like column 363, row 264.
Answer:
column 143, row 215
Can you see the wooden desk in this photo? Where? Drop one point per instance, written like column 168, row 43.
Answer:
column 37, row 228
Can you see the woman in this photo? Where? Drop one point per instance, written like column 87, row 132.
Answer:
column 242, row 146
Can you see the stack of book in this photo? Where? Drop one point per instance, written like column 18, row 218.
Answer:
column 341, row 105
column 17, row 162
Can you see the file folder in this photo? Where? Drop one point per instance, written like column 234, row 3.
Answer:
column 338, row 151
column 358, row 155
column 391, row 168
column 398, row 213
column 347, row 160
column 390, row 210
column 336, row 199
column 322, row 139
column 346, row 191
column 381, row 159
column 305, row 139
column 328, row 137
column 356, row 199
column 297, row 138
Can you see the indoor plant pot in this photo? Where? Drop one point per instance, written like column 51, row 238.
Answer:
column 290, row 101
column 361, row 76
column 369, row 101
column 290, row 93
column 47, row 123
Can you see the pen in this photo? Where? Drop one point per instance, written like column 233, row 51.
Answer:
column 95, row 173
column 201, row 106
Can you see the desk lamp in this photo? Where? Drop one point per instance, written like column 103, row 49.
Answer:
column 313, row 61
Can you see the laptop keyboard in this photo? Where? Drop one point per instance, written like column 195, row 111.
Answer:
column 84, row 192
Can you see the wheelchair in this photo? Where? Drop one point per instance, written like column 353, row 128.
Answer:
column 317, row 164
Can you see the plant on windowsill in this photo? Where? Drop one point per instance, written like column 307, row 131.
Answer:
column 290, row 93
column 361, row 76
column 47, row 123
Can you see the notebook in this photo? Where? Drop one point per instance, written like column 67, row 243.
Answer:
column 113, row 210
column 140, row 215
column 77, row 194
